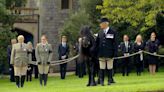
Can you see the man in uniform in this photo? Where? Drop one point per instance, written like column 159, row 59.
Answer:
column 11, row 68
column 106, row 44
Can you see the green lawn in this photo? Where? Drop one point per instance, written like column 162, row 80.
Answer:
column 72, row 83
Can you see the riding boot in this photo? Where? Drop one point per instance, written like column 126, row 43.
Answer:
column 22, row 80
column 40, row 79
column 92, row 83
column 102, row 76
column 17, row 79
column 45, row 79
column 110, row 76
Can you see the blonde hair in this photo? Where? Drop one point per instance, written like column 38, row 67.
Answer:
column 137, row 37
column 20, row 37
column 29, row 43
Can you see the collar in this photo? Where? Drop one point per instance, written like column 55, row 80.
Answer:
column 106, row 30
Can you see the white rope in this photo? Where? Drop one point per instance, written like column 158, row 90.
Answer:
column 121, row 57
column 58, row 62
column 153, row 54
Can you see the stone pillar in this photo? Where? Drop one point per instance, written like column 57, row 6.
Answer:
column 49, row 22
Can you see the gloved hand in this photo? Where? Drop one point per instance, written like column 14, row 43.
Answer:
column 39, row 63
column 48, row 63
column 63, row 57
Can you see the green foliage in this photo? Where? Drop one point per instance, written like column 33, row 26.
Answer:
column 73, row 24
column 15, row 3
column 139, row 14
column 6, row 23
column 5, row 36
column 86, row 15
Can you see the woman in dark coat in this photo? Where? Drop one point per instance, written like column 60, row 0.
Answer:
column 152, row 45
column 139, row 46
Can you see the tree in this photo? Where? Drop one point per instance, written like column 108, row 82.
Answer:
column 87, row 14
column 6, row 23
column 139, row 15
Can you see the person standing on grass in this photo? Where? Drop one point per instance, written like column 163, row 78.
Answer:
column 139, row 46
column 30, row 66
column 63, row 52
column 152, row 45
column 20, row 59
column 126, row 49
column 106, row 46
column 11, row 68
column 44, row 56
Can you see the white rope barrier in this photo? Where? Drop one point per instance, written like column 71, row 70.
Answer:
column 153, row 54
column 58, row 62
column 121, row 57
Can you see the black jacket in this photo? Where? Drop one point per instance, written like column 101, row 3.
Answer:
column 106, row 44
column 63, row 51
column 152, row 45
column 123, row 48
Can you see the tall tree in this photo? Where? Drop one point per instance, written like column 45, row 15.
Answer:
column 140, row 15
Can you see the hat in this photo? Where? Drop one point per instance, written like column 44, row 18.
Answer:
column 104, row 20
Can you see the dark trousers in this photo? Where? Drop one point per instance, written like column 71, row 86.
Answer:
column 63, row 68
column 81, row 68
column 125, row 66
column 139, row 67
column 36, row 73
column 29, row 73
column 12, row 77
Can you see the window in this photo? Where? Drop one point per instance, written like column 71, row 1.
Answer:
column 64, row 4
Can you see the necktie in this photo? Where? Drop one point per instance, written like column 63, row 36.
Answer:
column 126, row 45
column 21, row 45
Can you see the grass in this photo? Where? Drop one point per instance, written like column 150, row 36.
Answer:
column 132, row 83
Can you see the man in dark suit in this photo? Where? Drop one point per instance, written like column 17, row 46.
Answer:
column 11, row 68
column 126, row 49
column 63, row 52
column 106, row 44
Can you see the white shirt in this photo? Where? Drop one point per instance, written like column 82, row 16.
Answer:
column 106, row 30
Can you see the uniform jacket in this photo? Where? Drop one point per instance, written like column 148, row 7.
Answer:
column 106, row 44
column 43, row 53
column 63, row 51
column 20, row 55
column 124, row 49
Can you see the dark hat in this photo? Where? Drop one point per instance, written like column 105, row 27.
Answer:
column 104, row 20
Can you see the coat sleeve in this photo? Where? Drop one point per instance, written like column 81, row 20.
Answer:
column 37, row 53
column 12, row 55
column 50, row 54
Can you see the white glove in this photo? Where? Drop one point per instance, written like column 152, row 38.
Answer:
column 63, row 57
column 155, row 53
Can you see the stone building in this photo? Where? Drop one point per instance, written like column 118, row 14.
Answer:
column 45, row 17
